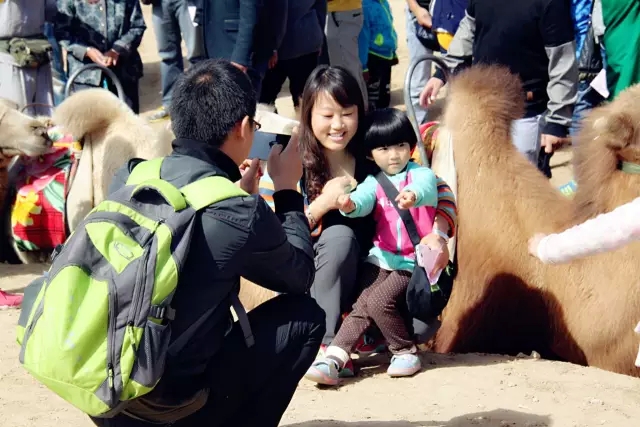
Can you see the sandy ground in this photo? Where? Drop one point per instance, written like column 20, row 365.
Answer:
column 452, row 391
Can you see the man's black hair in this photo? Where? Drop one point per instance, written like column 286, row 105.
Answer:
column 209, row 99
column 387, row 127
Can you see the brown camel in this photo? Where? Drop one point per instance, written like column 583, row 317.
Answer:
column 505, row 301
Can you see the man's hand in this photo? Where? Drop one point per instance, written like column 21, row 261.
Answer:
column 96, row 56
column 424, row 17
column 251, row 173
column 239, row 67
column 285, row 166
column 111, row 58
column 430, row 91
column 273, row 61
column 437, row 243
column 345, row 204
column 406, row 199
column 551, row 143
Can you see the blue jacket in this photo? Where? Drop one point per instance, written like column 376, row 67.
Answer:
column 581, row 14
column 447, row 14
column 305, row 28
column 378, row 37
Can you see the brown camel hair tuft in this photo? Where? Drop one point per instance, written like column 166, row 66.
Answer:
column 505, row 301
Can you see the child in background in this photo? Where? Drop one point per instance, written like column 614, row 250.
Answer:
column 603, row 233
column 377, row 45
column 389, row 139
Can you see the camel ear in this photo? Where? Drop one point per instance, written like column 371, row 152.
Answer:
column 617, row 129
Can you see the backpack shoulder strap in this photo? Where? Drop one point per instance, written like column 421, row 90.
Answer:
column 207, row 191
column 392, row 192
column 148, row 169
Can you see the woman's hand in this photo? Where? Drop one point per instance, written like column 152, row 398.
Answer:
column 333, row 189
column 437, row 243
column 534, row 243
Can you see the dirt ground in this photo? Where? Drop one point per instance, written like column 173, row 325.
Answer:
column 452, row 390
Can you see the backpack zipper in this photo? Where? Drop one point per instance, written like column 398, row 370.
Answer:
column 111, row 345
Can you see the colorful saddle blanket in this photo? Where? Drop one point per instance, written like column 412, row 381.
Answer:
column 38, row 220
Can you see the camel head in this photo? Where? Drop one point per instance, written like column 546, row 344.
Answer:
column 20, row 134
column 607, row 155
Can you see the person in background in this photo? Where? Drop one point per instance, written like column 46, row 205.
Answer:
column 246, row 32
column 108, row 36
column 447, row 15
column 297, row 56
column 25, row 64
column 172, row 23
column 344, row 24
column 622, row 41
column 58, row 73
column 417, row 14
column 539, row 48
column 377, row 46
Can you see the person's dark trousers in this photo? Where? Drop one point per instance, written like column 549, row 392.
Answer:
column 253, row 386
column 297, row 70
column 256, row 74
column 323, row 59
column 172, row 23
column 335, row 287
column 379, row 84
column 588, row 98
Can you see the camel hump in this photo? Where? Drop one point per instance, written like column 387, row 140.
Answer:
column 89, row 110
column 485, row 94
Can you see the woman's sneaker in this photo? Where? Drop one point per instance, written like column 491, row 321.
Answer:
column 323, row 371
column 404, row 365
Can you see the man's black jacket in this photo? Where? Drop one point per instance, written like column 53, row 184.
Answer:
column 236, row 237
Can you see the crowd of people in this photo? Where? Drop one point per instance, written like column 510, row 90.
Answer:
column 337, row 247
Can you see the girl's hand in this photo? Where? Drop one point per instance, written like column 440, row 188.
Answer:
column 406, row 199
column 534, row 243
column 437, row 243
column 345, row 203
column 333, row 189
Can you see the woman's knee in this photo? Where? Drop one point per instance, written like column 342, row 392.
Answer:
column 338, row 242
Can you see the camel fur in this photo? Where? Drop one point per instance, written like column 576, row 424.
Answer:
column 111, row 134
column 505, row 301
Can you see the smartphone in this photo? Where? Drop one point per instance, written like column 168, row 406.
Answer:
column 426, row 258
column 263, row 142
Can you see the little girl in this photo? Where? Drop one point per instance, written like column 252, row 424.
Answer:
column 389, row 140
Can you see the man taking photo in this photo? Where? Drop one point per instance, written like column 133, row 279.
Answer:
column 217, row 379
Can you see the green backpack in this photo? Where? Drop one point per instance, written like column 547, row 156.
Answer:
column 95, row 329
